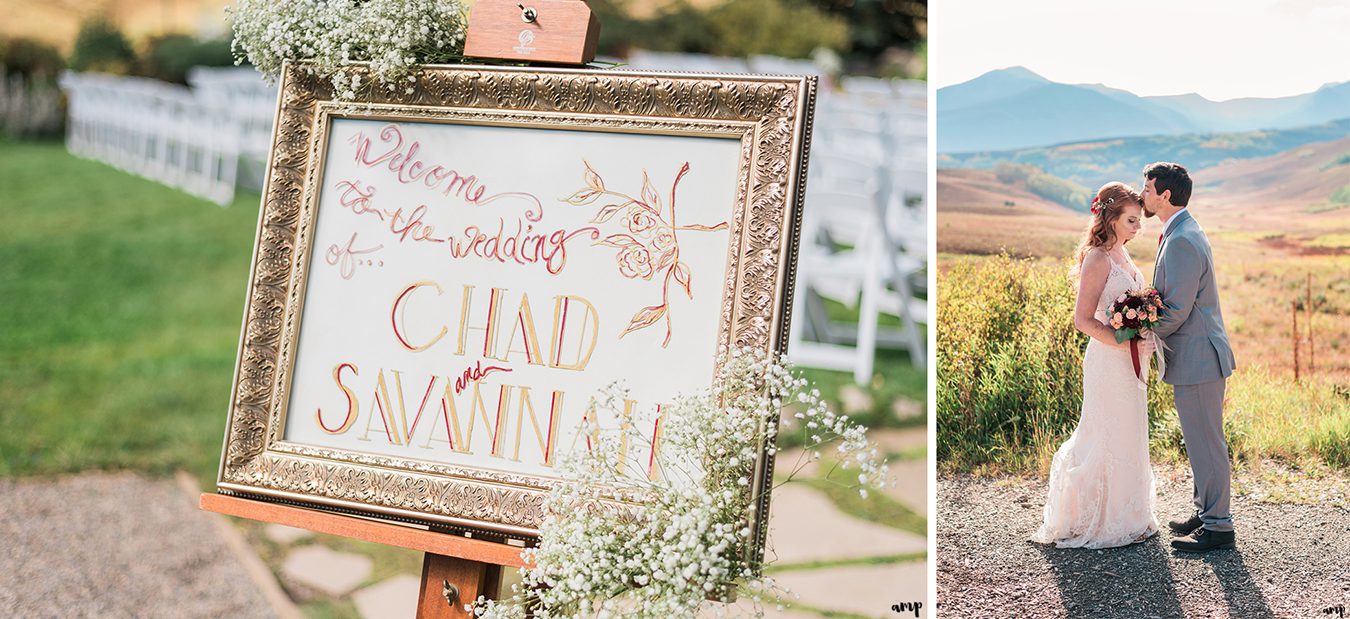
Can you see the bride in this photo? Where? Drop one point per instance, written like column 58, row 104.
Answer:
column 1101, row 485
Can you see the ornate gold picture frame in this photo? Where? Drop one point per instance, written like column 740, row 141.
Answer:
column 338, row 272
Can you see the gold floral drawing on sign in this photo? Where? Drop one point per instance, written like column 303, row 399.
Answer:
column 648, row 244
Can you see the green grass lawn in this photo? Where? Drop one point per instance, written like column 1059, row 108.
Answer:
column 120, row 305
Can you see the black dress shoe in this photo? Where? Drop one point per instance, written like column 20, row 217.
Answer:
column 1183, row 527
column 1204, row 540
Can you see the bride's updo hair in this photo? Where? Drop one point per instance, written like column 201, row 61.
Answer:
column 1107, row 207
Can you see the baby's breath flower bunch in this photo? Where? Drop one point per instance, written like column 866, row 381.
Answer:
column 684, row 548
column 394, row 36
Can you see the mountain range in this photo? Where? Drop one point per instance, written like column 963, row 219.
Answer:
column 1287, row 200
column 1091, row 163
column 1015, row 108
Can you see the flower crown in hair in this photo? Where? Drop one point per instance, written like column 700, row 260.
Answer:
column 1098, row 205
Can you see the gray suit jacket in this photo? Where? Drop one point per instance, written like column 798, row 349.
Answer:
column 1191, row 324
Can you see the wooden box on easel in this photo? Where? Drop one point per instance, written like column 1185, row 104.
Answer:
column 543, row 31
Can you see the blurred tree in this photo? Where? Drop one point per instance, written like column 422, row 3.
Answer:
column 682, row 27
column 619, row 31
column 788, row 28
column 1037, row 181
column 168, row 57
column 33, row 59
column 877, row 27
column 100, row 46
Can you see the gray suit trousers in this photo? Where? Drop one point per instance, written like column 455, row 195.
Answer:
column 1200, row 409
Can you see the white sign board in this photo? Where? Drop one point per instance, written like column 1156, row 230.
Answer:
column 444, row 279
column 473, row 286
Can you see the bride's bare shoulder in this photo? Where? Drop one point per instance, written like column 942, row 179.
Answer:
column 1096, row 264
column 1095, row 255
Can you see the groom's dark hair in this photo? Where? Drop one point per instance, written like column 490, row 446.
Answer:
column 1170, row 177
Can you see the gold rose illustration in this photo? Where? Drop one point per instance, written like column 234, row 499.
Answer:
column 647, row 244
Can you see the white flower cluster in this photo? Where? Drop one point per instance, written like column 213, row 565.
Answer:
column 685, row 547
column 394, row 36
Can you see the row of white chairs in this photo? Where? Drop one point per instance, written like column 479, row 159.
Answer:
column 864, row 233
column 153, row 129
column 243, row 95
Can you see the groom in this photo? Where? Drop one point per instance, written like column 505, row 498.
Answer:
column 1199, row 359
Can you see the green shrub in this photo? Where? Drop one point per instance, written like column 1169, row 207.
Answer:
column 1009, row 382
column 1060, row 191
column 1052, row 188
column 1341, row 196
column 168, row 57
column 33, row 59
column 31, row 105
column 1339, row 161
column 1009, row 363
column 1010, row 366
column 100, row 46
column 877, row 27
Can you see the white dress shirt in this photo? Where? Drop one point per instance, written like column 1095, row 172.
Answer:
column 1171, row 222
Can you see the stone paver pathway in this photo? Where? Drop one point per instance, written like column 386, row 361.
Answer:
column 911, row 485
column 327, row 571
column 283, row 534
column 867, row 590
column 394, row 598
column 804, row 526
column 899, row 440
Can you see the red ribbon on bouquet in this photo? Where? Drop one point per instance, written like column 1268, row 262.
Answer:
column 1134, row 358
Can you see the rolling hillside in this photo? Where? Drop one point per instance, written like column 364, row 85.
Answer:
column 1279, row 226
column 978, row 214
column 1093, row 163
column 1308, row 175
column 1295, row 199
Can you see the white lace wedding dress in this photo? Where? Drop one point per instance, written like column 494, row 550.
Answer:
column 1101, row 485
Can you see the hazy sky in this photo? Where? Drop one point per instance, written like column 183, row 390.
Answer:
column 1221, row 49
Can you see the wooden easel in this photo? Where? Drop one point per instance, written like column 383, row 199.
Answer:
column 455, row 569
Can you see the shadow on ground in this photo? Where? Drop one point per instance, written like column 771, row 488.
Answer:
column 1290, row 560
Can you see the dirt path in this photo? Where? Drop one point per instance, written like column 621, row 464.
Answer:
column 1291, row 560
column 115, row 545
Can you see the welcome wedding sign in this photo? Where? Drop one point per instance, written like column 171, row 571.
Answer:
column 446, row 278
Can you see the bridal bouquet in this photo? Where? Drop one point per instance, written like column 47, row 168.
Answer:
column 1133, row 314
column 684, row 546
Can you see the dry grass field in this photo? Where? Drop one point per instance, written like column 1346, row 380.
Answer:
column 979, row 215
column 1272, row 223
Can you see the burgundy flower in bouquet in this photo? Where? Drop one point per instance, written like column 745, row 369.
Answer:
column 1132, row 314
